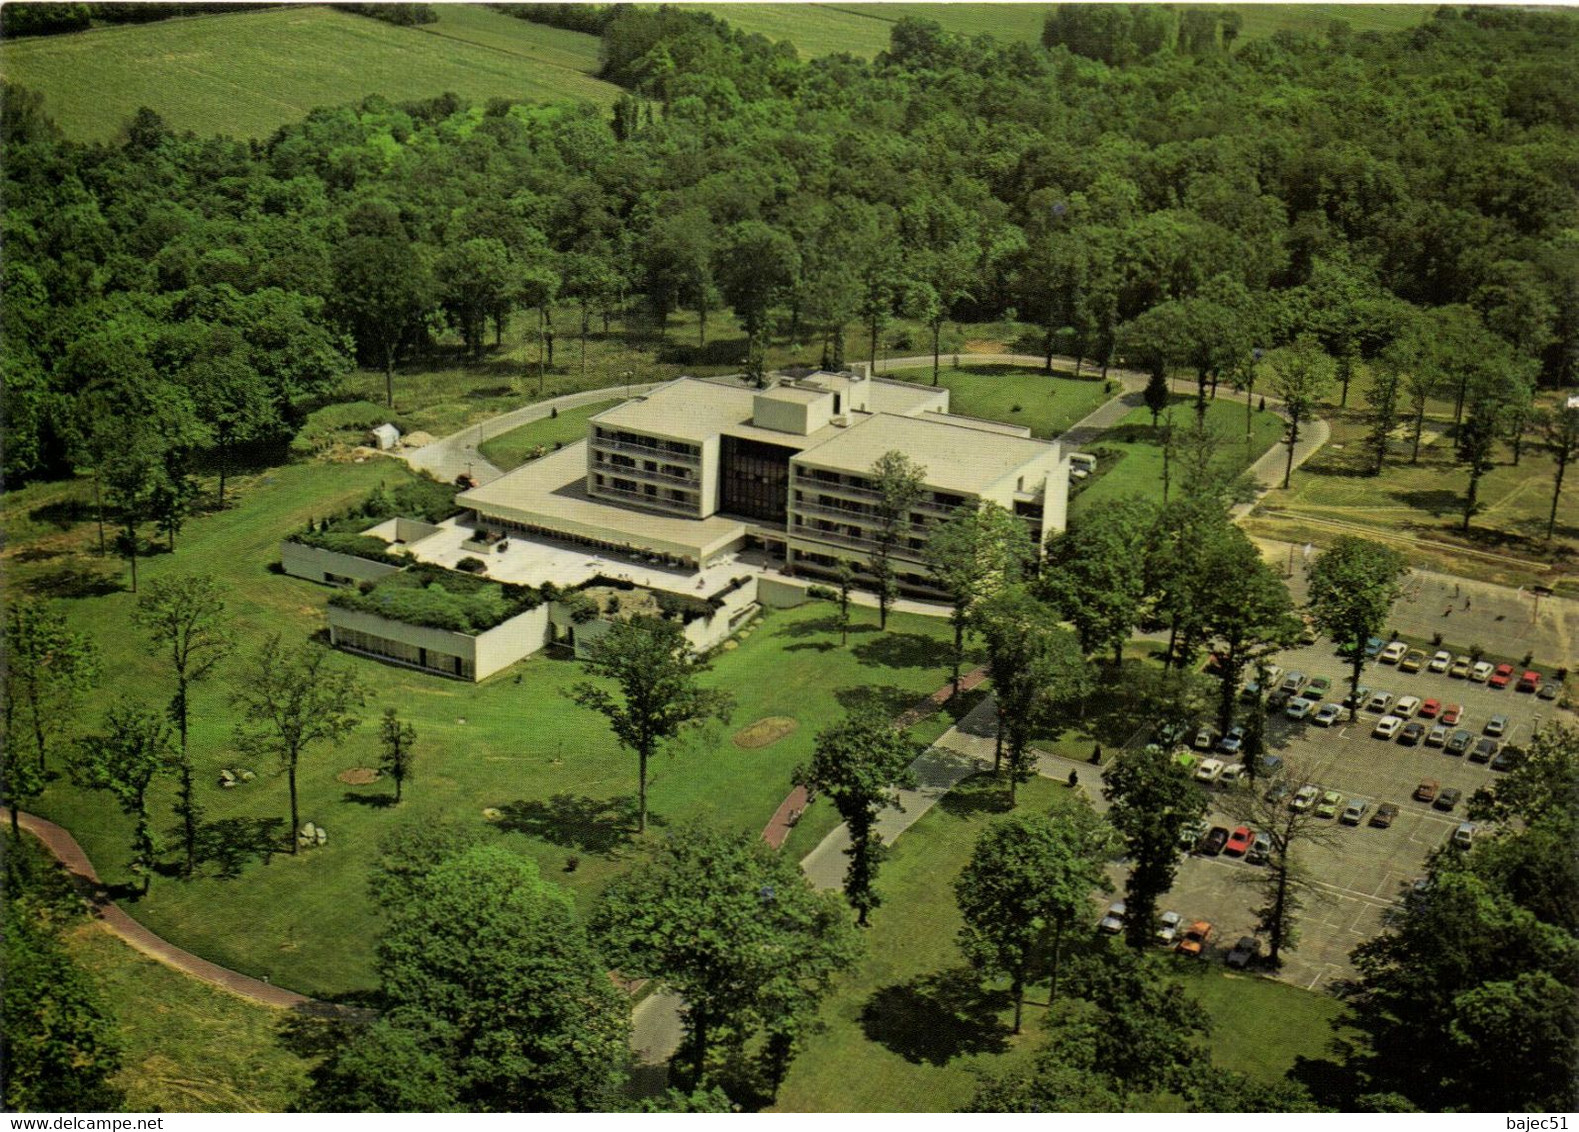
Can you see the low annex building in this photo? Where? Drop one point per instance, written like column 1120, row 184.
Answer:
column 697, row 469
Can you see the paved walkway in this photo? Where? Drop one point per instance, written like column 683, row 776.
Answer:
column 110, row 916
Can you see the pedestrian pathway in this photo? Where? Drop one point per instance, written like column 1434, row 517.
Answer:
column 110, row 916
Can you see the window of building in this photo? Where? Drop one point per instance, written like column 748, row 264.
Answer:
column 753, row 478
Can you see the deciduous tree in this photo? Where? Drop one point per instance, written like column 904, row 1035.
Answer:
column 1353, row 586
column 973, row 554
column 900, row 483
column 1153, row 800
column 1559, row 433
column 396, row 742
column 1301, row 374
column 123, row 758
column 655, row 671
column 1096, row 573
column 48, row 668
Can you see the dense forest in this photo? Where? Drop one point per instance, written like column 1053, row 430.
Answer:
column 1141, row 186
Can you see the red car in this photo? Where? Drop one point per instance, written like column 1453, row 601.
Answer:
column 1239, row 841
column 1530, row 681
column 1500, row 678
column 1194, row 941
column 1452, row 714
column 1430, row 709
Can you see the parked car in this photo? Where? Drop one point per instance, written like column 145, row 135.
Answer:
column 1452, row 714
column 1195, row 937
column 1354, row 812
column 1309, row 634
column 1459, row 742
column 1448, row 798
column 1413, row 661
column 1113, row 922
column 1436, row 737
column 1215, row 840
column 1507, row 758
column 1393, row 653
column 1464, row 835
column 1276, row 793
column 1232, row 773
column 1357, row 698
column 1331, row 803
column 1406, row 706
column 1379, row 701
column 1251, row 692
column 1326, row 715
column 1298, row 708
column 1550, row 690
column 1386, row 727
column 1429, row 709
column 1245, row 952
column 1441, row 661
column 1483, row 751
column 1271, row 764
column 1305, row 798
column 1411, row 735
column 1427, row 790
column 1278, row 700
column 1384, row 815
column 1500, row 676
column 1274, row 673
column 1191, row 835
column 1209, row 770
column 1496, row 725
column 1373, row 645
column 1205, row 739
column 1530, row 681
column 1260, row 850
column 1460, row 668
column 1168, row 928
column 1292, row 683
column 1482, row 671
column 1239, row 841
column 1230, row 743
column 1317, row 689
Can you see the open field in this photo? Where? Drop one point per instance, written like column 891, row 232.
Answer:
column 864, row 29
column 909, row 1031
column 1138, row 470
column 1019, row 395
column 512, row 449
column 246, row 74
column 515, row 743
column 187, row 1046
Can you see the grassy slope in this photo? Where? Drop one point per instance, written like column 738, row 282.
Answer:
column 863, row 29
column 187, row 1046
column 886, row 1047
column 510, row 450
column 1046, row 405
column 246, row 74
column 514, row 743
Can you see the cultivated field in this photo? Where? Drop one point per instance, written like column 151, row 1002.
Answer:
column 246, row 74
column 863, row 29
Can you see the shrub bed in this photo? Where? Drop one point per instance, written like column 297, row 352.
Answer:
column 440, row 599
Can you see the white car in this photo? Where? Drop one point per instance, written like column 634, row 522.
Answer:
column 1406, row 706
column 1231, row 774
column 1326, row 715
column 1298, row 709
column 1387, row 726
column 1482, row 671
column 1305, row 799
column 1209, row 770
column 1464, row 835
column 1113, row 922
column 1379, row 701
column 1436, row 737
column 1441, row 661
column 1393, row 653
column 1168, row 932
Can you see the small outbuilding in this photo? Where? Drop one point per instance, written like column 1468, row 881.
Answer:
column 384, row 437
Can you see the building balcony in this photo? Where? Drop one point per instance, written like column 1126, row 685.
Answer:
column 650, row 451
column 690, row 510
column 625, row 471
column 807, row 484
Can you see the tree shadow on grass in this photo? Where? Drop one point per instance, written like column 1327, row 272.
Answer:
column 63, row 514
column 374, row 801
column 574, row 821
column 932, row 1019
column 227, row 845
column 903, row 650
column 885, row 699
column 821, row 626
column 1436, row 501
column 981, row 794
column 74, row 581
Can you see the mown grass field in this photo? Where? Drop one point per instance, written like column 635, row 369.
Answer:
column 515, row 743
column 864, row 29
column 909, row 1030
column 246, row 74
column 1019, row 395
column 512, row 449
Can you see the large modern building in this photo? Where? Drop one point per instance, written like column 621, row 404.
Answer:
column 696, row 469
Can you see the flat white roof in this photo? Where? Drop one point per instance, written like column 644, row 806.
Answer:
column 956, row 458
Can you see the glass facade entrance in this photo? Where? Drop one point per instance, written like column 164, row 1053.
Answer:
column 753, row 478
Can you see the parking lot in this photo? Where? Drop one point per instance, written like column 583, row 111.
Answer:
column 1358, row 877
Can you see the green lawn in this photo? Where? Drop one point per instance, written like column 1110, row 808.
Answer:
column 187, row 1046
column 1019, row 395
column 900, row 1035
column 1134, row 455
column 864, row 29
column 512, row 449
column 246, row 74
column 515, row 743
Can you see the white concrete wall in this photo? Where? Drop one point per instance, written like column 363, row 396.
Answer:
column 710, row 459
column 517, row 638
column 488, row 652
column 777, row 594
column 313, row 563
